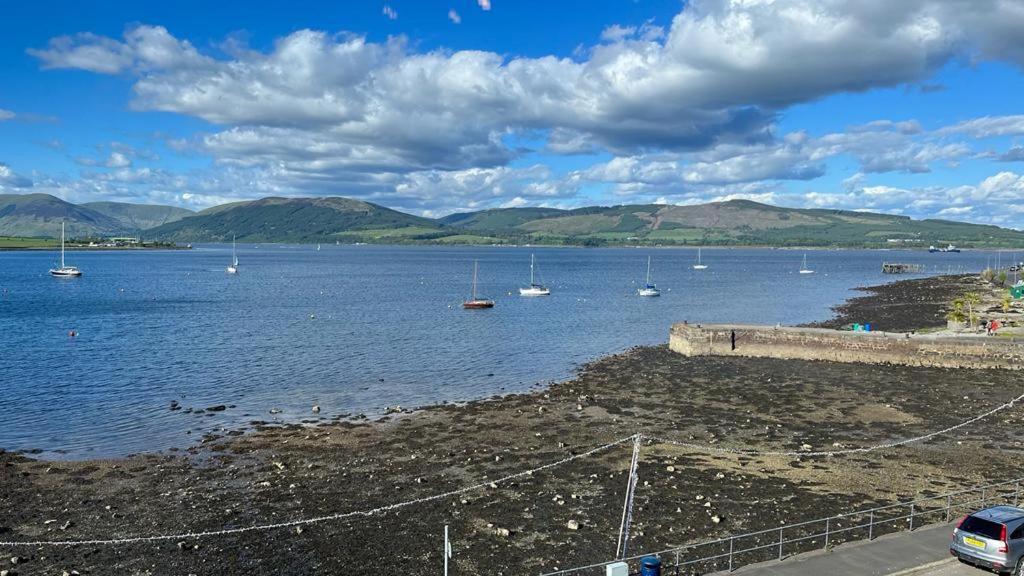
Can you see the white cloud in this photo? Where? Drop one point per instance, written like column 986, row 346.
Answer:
column 390, row 13
column 484, row 4
column 454, row 16
column 691, row 106
column 988, row 126
column 118, row 160
column 10, row 180
column 6, row 115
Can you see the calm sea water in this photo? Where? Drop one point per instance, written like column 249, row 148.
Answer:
column 353, row 328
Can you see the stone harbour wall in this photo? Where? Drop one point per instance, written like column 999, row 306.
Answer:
column 844, row 346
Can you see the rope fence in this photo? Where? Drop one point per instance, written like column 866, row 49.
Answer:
column 635, row 438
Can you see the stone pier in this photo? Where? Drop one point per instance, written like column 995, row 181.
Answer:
column 845, row 346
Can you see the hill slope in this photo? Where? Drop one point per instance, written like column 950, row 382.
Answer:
column 139, row 216
column 40, row 215
column 288, row 220
column 737, row 222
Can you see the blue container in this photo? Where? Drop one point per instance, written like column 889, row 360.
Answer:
column 867, row 327
column 650, row 566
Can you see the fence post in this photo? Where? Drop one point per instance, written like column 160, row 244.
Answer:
column 871, row 526
column 1016, row 492
column 911, row 516
column 828, row 524
column 949, row 506
column 780, row 544
column 982, row 496
column 730, row 553
column 677, row 561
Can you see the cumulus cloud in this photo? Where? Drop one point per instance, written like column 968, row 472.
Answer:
column 693, row 104
column 6, row 115
column 484, row 4
column 390, row 13
column 988, row 126
column 454, row 16
column 1014, row 154
column 10, row 180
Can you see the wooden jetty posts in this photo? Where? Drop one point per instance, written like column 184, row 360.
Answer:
column 898, row 268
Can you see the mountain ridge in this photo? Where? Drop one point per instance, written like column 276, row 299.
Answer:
column 335, row 218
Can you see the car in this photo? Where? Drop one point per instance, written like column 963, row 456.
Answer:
column 992, row 538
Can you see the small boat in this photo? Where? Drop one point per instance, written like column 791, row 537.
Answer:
column 649, row 290
column 950, row 248
column 317, row 247
column 534, row 289
column 476, row 302
column 803, row 267
column 233, row 267
column 699, row 265
column 64, row 271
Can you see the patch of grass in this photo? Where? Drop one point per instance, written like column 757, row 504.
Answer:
column 21, row 242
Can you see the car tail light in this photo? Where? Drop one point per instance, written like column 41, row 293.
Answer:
column 959, row 524
column 1002, row 538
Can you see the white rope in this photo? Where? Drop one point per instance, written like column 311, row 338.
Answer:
column 734, row 451
column 318, row 519
column 627, row 507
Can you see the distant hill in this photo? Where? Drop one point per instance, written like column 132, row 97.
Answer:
column 139, row 216
column 290, row 220
column 736, row 222
column 40, row 215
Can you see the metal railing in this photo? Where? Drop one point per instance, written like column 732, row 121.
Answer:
column 732, row 552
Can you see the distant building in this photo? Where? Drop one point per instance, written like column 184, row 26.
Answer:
column 123, row 241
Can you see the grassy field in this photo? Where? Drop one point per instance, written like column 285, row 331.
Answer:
column 16, row 242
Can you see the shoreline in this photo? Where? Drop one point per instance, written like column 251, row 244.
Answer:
column 277, row 473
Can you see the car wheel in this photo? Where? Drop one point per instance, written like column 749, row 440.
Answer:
column 1019, row 570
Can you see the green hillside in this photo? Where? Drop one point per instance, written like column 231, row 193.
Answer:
column 139, row 216
column 40, row 215
column 742, row 222
column 291, row 220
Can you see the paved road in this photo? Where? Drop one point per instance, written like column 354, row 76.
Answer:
column 923, row 552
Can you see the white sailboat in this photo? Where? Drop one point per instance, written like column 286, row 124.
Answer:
column 649, row 290
column 699, row 265
column 318, row 247
column 233, row 267
column 64, row 271
column 803, row 267
column 534, row 289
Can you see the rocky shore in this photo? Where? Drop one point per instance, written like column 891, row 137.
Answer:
column 559, row 517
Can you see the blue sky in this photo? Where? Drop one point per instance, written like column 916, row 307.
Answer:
column 433, row 107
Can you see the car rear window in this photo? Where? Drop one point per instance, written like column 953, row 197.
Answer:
column 982, row 527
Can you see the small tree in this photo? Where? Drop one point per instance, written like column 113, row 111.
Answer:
column 1001, row 278
column 988, row 275
column 1007, row 301
column 956, row 311
column 971, row 299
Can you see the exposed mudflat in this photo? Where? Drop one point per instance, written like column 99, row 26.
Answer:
column 522, row 526
column 905, row 305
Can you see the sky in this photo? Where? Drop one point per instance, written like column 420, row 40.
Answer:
column 913, row 107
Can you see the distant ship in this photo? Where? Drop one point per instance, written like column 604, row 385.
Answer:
column 949, row 248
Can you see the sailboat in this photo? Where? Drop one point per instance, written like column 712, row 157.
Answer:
column 649, row 289
column 318, row 247
column 534, row 289
column 699, row 265
column 474, row 301
column 64, row 271
column 233, row 267
column 803, row 267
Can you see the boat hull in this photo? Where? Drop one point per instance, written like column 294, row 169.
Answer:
column 534, row 292
column 699, row 267
column 59, row 273
column 478, row 304
column 648, row 293
column 231, row 270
